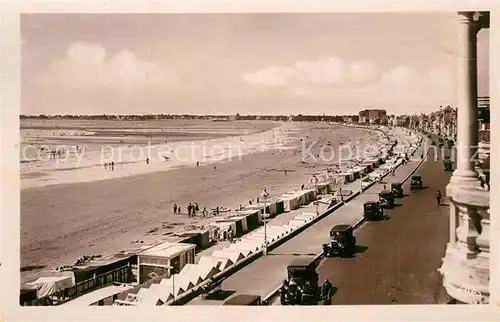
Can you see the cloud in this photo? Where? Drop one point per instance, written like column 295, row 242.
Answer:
column 88, row 67
column 399, row 76
column 324, row 71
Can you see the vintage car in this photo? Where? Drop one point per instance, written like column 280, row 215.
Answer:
column 448, row 165
column 397, row 189
column 301, row 287
column 342, row 242
column 416, row 182
column 243, row 299
column 386, row 199
column 372, row 210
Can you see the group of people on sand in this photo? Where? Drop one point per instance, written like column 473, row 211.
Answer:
column 193, row 209
column 109, row 165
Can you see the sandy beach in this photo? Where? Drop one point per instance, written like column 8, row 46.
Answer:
column 64, row 221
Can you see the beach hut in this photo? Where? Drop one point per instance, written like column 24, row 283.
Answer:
column 279, row 207
column 163, row 258
column 200, row 238
column 46, row 286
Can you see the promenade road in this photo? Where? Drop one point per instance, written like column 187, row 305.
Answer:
column 267, row 272
column 398, row 258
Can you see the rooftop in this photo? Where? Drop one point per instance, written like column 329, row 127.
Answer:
column 97, row 295
column 167, row 249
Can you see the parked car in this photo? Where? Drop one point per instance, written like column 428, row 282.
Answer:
column 301, row 286
column 342, row 242
column 386, row 199
column 397, row 189
column 372, row 210
column 416, row 182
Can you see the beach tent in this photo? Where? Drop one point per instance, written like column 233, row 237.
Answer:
column 302, row 217
column 253, row 245
column 310, row 214
column 294, row 224
column 192, row 272
column 217, row 263
column 287, row 228
column 297, row 222
column 233, row 256
column 150, row 296
column 203, row 270
column 48, row 285
column 258, row 244
column 244, row 251
column 246, row 245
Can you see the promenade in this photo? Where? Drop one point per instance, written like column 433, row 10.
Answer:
column 266, row 273
column 398, row 259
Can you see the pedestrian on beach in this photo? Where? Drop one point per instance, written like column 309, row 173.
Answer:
column 215, row 167
column 285, row 172
column 147, row 160
column 197, row 163
column 179, row 210
column 175, row 208
column 438, row 197
column 112, row 165
column 190, row 208
column 217, row 210
column 105, row 165
column 196, row 207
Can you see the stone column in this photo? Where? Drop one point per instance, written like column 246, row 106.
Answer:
column 465, row 267
column 467, row 97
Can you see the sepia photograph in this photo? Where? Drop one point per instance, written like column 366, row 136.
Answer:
column 255, row 159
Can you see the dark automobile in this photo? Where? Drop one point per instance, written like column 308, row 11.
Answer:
column 342, row 242
column 301, row 286
column 372, row 210
column 244, row 299
column 397, row 189
column 416, row 182
column 386, row 199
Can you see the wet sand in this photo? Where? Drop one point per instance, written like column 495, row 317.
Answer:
column 62, row 222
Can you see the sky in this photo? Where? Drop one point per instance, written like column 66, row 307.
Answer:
column 243, row 63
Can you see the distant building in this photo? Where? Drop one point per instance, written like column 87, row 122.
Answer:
column 373, row 116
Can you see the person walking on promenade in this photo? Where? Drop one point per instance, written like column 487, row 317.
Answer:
column 326, row 292
column 147, row 160
column 113, row 165
column 438, row 197
column 197, row 163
